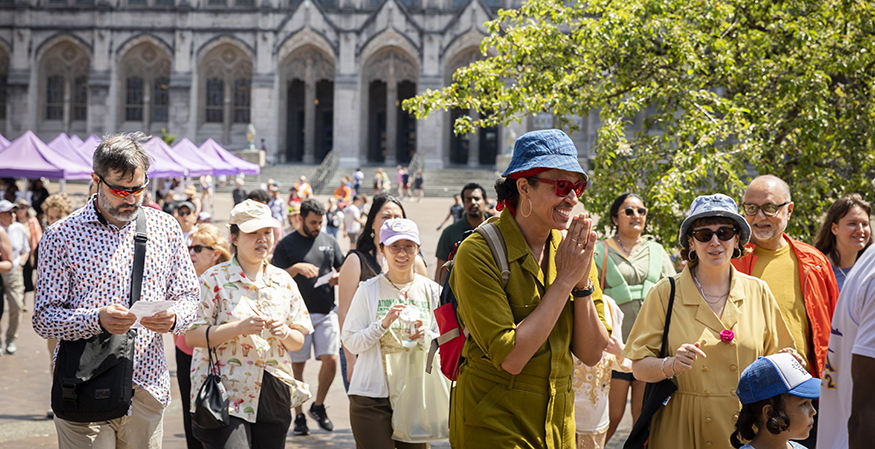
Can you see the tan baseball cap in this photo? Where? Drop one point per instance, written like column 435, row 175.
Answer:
column 251, row 216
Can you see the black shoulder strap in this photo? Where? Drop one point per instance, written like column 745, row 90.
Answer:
column 667, row 318
column 140, row 240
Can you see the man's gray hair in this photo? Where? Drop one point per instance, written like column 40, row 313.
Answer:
column 123, row 153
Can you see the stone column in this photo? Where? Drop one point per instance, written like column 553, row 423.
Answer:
column 391, row 119
column 17, row 110
column 98, row 95
column 429, row 138
column 474, row 142
column 309, row 118
column 347, row 121
column 263, row 115
column 180, row 106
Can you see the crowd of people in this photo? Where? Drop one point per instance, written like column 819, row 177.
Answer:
column 562, row 326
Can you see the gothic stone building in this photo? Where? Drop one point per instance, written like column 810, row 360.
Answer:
column 311, row 76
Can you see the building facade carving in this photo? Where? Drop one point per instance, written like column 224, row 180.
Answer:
column 311, row 76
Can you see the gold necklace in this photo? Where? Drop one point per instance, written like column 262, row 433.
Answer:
column 623, row 247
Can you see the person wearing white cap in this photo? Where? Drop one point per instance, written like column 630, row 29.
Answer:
column 13, row 281
column 372, row 330
column 255, row 315
column 776, row 393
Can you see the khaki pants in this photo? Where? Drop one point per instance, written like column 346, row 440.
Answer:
column 13, row 285
column 143, row 429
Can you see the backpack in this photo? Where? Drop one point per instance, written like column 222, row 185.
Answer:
column 452, row 334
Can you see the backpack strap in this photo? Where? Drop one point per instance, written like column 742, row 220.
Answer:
column 140, row 240
column 490, row 232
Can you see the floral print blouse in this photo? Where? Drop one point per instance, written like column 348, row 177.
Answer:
column 227, row 295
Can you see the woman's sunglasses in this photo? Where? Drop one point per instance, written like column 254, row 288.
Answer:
column 705, row 235
column 122, row 192
column 630, row 211
column 198, row 248
column 563, row 186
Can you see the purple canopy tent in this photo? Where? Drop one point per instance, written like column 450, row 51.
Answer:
column 196, row 167
column 29, row 157
column 63, row 144
column 4, row 142
column 76, row 140
column 164, row 164
column 212, row 148
column 88, row 146
column 189, row 150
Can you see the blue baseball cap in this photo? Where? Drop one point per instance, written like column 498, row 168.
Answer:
column 546, row 148
column 716, row 205
column 773, row 375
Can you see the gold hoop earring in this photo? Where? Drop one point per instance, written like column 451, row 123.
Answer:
column 531, row 207
column 692, row 255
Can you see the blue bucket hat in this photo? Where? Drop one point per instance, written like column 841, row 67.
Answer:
column 717, row 205
column 546, row 148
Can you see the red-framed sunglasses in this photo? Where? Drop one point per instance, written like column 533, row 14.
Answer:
column 122, row 192
column 564, row 186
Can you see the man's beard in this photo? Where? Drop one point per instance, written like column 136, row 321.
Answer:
column 475, row 212
column 124, row 212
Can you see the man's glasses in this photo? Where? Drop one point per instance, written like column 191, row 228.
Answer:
column 769, row 210
column 564, row 187
column 198, row 248
column 409, row 249
column 630, row 211
column 183, row 214
column 122, row 192
column 704, row 235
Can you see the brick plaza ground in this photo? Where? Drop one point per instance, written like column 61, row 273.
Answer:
column 25, row 379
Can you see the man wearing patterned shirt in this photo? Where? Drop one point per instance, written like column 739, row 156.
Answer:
column 84, row 282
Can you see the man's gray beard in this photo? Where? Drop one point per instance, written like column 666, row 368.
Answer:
column 116, row 212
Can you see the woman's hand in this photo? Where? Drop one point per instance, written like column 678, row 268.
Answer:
column 251, row 325
column 795, row 355
column 684, row 357
column 278, row 329
column 392, row 315
column 419, row 333
column 574, row 254
column 614, row 346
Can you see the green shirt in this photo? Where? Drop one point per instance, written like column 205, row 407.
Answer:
column 452, row 234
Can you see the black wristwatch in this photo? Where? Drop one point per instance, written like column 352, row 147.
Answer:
column 582, row 293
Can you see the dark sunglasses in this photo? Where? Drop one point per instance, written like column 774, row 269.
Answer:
column 183, row 214
column 704, row 235
column 122, row 192
column 198, row 248
column 563, row 186
column 630, row 211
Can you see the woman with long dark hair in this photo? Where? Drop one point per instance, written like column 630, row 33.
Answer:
column 845, row 234
column 365, row 262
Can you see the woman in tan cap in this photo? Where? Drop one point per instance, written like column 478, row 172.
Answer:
column 191, row 192
column 252, row 314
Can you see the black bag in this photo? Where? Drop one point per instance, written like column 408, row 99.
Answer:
column 211, row 403
column 93, row 378
column 656, row 395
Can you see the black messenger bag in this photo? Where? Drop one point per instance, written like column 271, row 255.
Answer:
column 93, row 378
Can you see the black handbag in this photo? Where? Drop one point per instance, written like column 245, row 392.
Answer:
column 211, row 403
column 656, row 395
column 93, row 378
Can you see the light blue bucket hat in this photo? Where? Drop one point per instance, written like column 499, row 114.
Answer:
column 716, row 205
column 546, row 148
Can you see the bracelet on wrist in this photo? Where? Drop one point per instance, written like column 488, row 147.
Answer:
column 582, row 293
column 662, row 368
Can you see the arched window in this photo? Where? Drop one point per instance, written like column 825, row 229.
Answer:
column 55, row 97
column 134, row 99
column 225, row 94
column 215, row 100
column 145, row 72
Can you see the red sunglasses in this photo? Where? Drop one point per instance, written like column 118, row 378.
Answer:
column 564, row 186
column 123, row 193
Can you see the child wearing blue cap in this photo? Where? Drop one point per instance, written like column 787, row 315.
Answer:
column 775, row 392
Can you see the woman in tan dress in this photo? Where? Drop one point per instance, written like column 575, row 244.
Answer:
column 722, row 321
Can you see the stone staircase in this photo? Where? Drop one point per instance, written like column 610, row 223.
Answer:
column 437, row 182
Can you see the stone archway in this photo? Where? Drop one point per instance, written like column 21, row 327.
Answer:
column 307, row 86
column 476, row 149
column 390, row 78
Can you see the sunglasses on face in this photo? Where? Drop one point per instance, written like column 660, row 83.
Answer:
column 724, row 234
column 409, row 249
column 769, row 210
column 122, row 192
column 183, row 214
column 563, row 186
column 198, row 248
column 630, row 211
